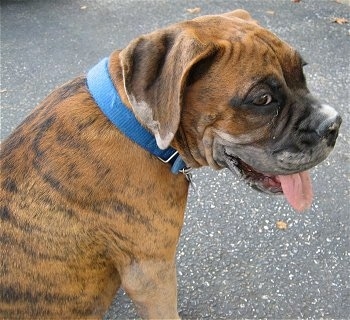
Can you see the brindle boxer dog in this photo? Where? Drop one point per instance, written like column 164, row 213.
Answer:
column 85, row 210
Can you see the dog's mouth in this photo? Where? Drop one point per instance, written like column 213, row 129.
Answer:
column 257, row 180
column 296, row 187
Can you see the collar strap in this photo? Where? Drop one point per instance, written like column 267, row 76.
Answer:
column 107, row 98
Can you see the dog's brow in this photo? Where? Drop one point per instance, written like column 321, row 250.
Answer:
column 270, row 80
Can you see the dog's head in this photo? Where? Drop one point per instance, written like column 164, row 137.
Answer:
column 228, row 93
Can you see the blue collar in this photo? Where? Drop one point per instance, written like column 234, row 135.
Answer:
column 106, row 96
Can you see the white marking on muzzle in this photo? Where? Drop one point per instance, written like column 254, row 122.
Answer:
column 328, row 111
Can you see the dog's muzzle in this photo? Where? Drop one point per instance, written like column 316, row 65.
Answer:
column 281, row 166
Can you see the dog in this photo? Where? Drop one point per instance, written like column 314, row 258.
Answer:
column 94, row 182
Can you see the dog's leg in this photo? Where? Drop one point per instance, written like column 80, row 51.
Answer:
column 152, row 287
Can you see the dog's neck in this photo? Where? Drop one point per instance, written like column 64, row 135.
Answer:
column 103, row 90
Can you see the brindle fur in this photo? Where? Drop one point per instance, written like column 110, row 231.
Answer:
column 76, row 212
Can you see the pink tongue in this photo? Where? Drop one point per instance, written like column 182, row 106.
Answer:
column 297, row 189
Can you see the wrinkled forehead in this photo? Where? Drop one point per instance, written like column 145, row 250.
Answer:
column 220, row 28
column 279, row 47
column 289, row 59
column 256, row 44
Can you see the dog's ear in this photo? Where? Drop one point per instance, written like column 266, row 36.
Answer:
column 155, row 71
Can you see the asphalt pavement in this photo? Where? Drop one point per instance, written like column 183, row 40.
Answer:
column 233, row 261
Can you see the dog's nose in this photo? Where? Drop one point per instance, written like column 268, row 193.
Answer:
column 329, row 128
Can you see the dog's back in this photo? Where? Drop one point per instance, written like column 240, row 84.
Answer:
column 49, row 250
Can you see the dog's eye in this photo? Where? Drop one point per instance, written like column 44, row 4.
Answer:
column 263, row 100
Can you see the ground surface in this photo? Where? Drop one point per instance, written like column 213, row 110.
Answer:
column 233, row 262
